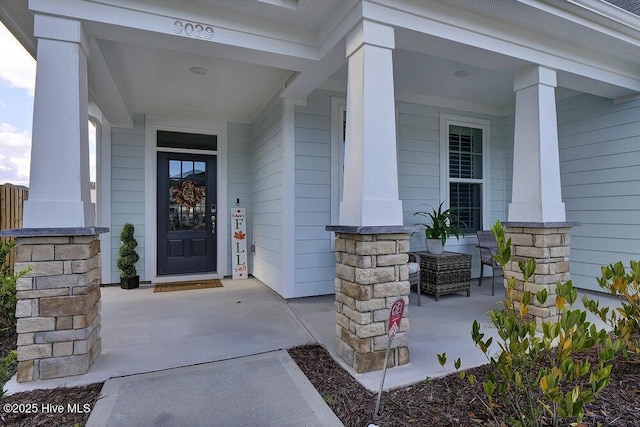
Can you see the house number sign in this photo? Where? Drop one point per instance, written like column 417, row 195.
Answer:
column 190, row 29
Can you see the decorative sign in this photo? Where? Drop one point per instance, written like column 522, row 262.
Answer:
column 191, row 29
column 395, row 317
column 239, row 243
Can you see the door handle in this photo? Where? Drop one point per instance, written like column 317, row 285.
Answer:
column 214, row 209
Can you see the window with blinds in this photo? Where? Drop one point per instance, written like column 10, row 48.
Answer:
column 466, row 175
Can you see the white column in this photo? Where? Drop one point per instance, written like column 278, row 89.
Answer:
column 370, row 196
column 59, row 194
column 536, row 191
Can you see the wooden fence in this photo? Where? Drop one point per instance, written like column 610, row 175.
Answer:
column 12, row 198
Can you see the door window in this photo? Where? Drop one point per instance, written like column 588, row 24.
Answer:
column 187, row 195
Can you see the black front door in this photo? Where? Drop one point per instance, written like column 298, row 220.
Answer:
column 187, row 212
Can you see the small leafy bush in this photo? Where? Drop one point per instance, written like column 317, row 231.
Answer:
column 5, row 369
column 8, row 296
column 128, row 254
column 625, row 320
column 539, row 377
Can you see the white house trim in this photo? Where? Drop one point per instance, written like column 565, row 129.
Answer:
column 485, row 125
column 229, row 28
column 288, row 197
column 154, row 123
column 103, row 186
column 496, row 36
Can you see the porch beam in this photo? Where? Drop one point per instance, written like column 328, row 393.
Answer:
column 536, row 191
column 370, row 196
column 59, row 194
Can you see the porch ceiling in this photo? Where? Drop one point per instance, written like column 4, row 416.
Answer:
column 159, row 81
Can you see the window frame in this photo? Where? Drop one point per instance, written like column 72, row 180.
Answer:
column 484, row 125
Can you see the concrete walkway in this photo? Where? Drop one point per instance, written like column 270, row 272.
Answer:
column 263, row 390
column 215, row 356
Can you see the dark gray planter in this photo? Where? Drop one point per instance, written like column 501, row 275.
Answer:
column 130, row 283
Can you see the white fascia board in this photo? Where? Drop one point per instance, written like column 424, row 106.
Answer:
column 596, row 14
column 161, row 20
column 339, row 24
column 455, row 104
column 19, row 26
column 104, row 90
column 332, row 48
column 470, row 29
column 316, row 73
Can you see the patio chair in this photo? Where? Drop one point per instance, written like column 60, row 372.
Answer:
column 488, row 247
column 414, row 273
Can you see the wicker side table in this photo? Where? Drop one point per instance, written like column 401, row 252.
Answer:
column 447, row 273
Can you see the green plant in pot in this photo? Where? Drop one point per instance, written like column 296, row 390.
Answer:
column 129, row 278
column 444, row 224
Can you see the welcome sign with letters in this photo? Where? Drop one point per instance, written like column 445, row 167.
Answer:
column 239, row 243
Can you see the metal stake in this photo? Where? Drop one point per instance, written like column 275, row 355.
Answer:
column 384, row 373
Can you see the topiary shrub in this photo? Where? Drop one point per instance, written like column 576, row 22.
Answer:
column 128, row 254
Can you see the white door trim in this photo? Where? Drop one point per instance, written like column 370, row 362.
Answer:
column 154, row 123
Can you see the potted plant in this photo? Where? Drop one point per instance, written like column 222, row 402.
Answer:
column 129, row 278
column 443, row 225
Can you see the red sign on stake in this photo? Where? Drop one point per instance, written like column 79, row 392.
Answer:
column 395, row 317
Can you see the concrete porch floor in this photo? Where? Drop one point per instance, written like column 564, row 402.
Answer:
column 146, row 332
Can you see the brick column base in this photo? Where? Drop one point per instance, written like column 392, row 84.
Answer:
column 58, row 307
column 371, row 270
column 548, row 244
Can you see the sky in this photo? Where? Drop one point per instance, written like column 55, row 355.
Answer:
column 17, row 81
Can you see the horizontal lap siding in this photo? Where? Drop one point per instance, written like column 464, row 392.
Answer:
column 418, row 176
column 127, row 189
column 419, row 169
column 267, row 195
column 239, row 185
column 314, row 262
column 600, row 164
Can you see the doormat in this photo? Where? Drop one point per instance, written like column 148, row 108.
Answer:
column 187, row 286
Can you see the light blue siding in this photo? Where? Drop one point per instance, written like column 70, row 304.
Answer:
column 127, row 189
column 418, row 131
column 265, row 169
column 599, row 158
column 239, row 186
column 314, row 262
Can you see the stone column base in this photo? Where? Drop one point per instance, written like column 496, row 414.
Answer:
column 58, row 307
column 371, row 270
column 548, row 244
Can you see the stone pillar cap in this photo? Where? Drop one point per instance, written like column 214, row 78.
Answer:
column 54, row 232
column 541, row 224
column 373, row 229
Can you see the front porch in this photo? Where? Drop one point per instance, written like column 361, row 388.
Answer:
column 146, row 332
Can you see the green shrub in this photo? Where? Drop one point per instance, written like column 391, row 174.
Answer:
column 539, row 376
column 625, row 320
column 5, row 369
column 128, row 254
column 8, row 298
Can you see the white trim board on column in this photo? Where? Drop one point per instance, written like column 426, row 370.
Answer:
column 154, row 123
column 103, row 187
column 288, row 196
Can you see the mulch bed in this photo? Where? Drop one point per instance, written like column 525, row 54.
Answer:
column 63, row 407
column 446, row 401
column 450, row 401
